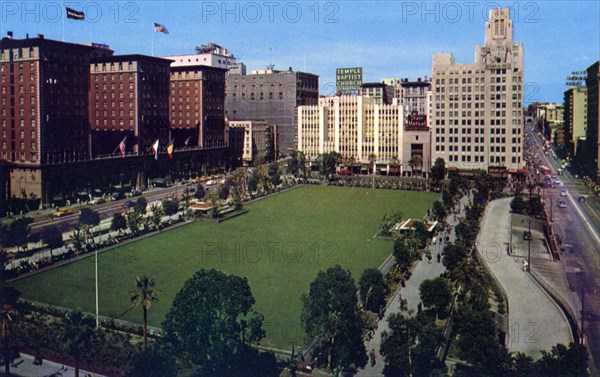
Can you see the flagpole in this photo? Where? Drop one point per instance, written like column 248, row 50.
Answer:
column 153, row 42
column 97, row 322
column 63, row 28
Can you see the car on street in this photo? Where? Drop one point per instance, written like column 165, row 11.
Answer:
column 135, row 193
column 61, row 212
column 97, row 200
column 211, row 182
column 562, row 204
column 563, row 192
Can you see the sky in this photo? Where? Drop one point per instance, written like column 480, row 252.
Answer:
column 389, row 39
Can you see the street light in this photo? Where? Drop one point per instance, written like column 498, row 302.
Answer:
column 528, row 237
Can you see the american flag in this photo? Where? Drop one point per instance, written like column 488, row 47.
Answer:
column 160, row 28
column 122, row 146
column 187, row 141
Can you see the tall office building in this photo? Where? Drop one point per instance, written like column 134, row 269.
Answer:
column 44, row 88
column 411, row 94
column 129, row 97
column 382, row 93
column 272, row 96
column 592, row 83
column 575, row 117
column 477, row 109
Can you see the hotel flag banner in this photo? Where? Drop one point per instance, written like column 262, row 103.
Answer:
column 75, row 15
column 170, row 148
column 155, row 149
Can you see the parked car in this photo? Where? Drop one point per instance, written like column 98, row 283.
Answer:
column 562, row 204
column 563, row 192
column 135, row 192
column 117, row 196
column 97, row 200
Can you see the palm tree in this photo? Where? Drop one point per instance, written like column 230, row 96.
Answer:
column 144, row 294
column 8, row 312
column 372, row 160
column 414, row 162
column 76, row 332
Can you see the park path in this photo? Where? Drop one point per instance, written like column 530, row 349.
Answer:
column 423, row 270
column 536, row 322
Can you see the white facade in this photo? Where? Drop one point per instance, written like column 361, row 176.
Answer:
column 211, row 55
column 477, row 109
column 354, row 126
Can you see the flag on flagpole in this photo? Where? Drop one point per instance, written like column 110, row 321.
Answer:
column 170, row 148
column 160, row 28
column 155, row 149
column 122, row 146
column 75, row 15
column 187, row 141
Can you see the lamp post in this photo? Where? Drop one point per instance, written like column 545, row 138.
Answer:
column 529, row 238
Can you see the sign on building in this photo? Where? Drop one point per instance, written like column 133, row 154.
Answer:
column 348, row 79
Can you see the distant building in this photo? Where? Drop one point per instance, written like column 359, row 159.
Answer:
column 411, row 94
column 44, row 87
column 211, row 55
column 129, row 97
column 575, row 117
column 382, row 94
column 197, row 106
column 592, row 83
column 251, row 138
column 477, row 109
column 273, row 96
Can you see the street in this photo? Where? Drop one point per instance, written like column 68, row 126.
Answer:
column 578, row 226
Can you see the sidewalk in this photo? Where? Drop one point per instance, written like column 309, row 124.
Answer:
column 423, row 270
column 536, row 322
column 26, row 368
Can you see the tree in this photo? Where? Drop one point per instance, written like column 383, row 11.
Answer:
column 88, row 218
column 388, row 222
column 330, row 316
column 170, row 206
column 223, row 190
column 274, row 174
column 153, row 362
column 118, row 222
column 212, row 322
column 328, row 163
column 403, row 254
column 415, row 162
column 569, row 361
column 438, row 171
column 436, row 294
column 420, row 233
column 9, row 297
column 454, row 255
column 253, row 181
column 144, row 295
column 200, row 192
column 410, row 346
column 157, row 214
column 372, row 289
column 439, row 211
column 52, row 237
column 133, row 221
column 140, row 206
column 372, row 161
column 77, row 330
column 18, row 232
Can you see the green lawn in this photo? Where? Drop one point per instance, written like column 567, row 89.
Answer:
column 280, row 245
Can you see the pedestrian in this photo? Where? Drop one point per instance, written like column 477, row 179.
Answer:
column 373, row 357
column 439, row 257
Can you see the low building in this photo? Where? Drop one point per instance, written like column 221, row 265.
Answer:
column 249, row 139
